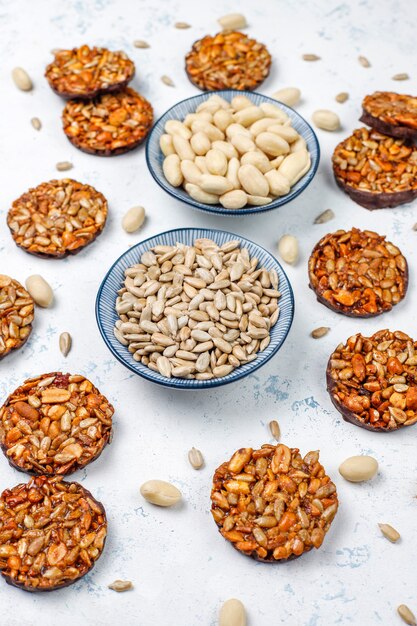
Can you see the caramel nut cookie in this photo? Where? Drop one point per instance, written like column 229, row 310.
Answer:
column 357, row 273
column 109, row 124
column 51, row 533
column 391, row 113
column 87, row 72
column 55, row 424
column 16, row 315
column 57, row 218
column 229, row 60
column 372, row 381
column 272, row 504
column 375, row 170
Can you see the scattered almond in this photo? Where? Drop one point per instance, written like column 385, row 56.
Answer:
column 232, row 613
column 40, row 290
column 182, row 25
column 401, row 76
column 160, row 492
column 288, row 249
column 407, row 615
column 326, row 120
column 22, row 79
column 121, row 585
column 415, row 226
column 357, row 469
column 133, row 219
column 233, row 21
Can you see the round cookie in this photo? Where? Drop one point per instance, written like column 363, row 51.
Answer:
column 391, row 113
column 229, row 60
column 272, row 504
column 55, row 424
column 110, row 124
column 16, row 315
column 372, row 381
column 357, row 273
column 53, row 533
column 87, row 72
column 57, row 218
column 375, row 170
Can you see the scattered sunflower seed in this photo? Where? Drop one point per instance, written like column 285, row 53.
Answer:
column 415, row 226
column 275, row 429
column 63, row 166
column 65, row 343
column 36, row 123
column 182, row 25
column 401, row 76
column 311, row 57
column 121, row 585
column 364, row 61
column 196, row 458
column 389, row 532
column 139, row 43
column 319, row 332
column 167, row 81
column 407, row 615
column 342, row 97
column 22, row 79
column 324, row 217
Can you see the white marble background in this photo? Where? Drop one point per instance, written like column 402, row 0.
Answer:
column 181, row 568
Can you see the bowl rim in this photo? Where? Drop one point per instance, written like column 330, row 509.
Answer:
column 177, row 383
column 216, row 209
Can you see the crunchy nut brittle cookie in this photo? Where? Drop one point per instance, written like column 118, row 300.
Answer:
column 109, row 124
column 227, row 60
column 272, row 504
column 375, row 170
column 391, row 113
column 357, row 273
column 57, row 218
column 87, row 72
column 372, row 381
column 51, row 533
column 55, row 424
column 16, row 315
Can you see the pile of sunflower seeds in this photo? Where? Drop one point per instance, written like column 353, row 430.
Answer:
column 197, row 311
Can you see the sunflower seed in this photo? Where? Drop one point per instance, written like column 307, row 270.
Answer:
column 364, row 61
column 407, row 615
column 401, row 76
column 275, row 429
column 36, row 123
column 389, row 532
column 63, row 166
column 319, row 332
column 121, row 585
column 167, row 81
column 139, row 43
column 65, row 343
column 196, row 458
column 182, row 25
column 324, row 217
column 22, row 79
column 342, row 97
column 311, row 57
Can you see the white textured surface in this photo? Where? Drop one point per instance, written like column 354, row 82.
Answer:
column 181, row 568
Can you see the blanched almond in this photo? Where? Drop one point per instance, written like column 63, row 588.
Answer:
column 160, row 492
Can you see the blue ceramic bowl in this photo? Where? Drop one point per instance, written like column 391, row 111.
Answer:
column 154, row 156
column 106, row 298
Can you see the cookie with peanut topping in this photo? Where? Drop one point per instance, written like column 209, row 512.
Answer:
column 87, row 72
column 372, row 381
column 52, row 533
column 272, row 504
column 55, row 424
column 110, row 124
column 358, row 273
column 57, row 218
